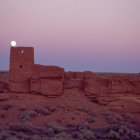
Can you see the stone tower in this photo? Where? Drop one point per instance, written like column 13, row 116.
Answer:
column 21, row 61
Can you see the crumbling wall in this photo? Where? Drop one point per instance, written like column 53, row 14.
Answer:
column 73, row 80
column 73, row 83
column 2, row 87
column 73, row 75
column 96, row 85
column 25, row 76
column 47, row 80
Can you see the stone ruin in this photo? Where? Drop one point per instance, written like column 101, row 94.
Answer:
column 27, row 77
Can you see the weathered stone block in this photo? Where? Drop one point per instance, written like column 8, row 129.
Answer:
column 73, row 83
column 47, row 80
column 4, row 87
column 69, row 75
column 20, row 73
column 48, row 87
column 96, row 85
column 52, row 87
column 73, row 75
column 23, row 87
column 35, row 85
column 1, row 88
column 47, row 71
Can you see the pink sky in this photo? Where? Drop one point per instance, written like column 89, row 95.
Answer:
column 96, row 35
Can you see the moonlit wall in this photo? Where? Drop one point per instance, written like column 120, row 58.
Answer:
column 96, row 35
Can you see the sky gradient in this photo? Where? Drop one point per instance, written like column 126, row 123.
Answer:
column 79, row 35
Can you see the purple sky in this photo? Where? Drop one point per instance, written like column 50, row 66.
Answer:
column 96, row 35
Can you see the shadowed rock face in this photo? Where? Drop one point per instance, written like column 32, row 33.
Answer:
column 4, row 86
column 107, row 88
column 96, row 84
column 1, row 87
column 135, row 83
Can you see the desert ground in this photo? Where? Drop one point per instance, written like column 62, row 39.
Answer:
column 72, row 116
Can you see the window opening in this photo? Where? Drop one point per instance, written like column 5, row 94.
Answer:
column 20, row 66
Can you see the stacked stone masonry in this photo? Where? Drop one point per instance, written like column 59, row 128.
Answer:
column 27, row 77
column 21, row 61
column 47, row 80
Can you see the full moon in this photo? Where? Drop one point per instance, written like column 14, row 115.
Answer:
column 13, row 43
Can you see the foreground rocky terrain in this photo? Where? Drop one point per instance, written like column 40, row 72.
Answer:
column 74, row 115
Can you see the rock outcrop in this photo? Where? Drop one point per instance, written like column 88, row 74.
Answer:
column 104, row 89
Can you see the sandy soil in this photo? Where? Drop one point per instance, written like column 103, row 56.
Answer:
column 72, row 116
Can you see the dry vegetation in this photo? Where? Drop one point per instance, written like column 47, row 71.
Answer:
column 69, row 117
